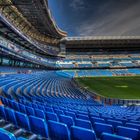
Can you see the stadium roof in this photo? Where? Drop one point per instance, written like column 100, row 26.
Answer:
column 39, row 15
column 33, row 18
column 101, row 38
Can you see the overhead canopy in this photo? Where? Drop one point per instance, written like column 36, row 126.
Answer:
column 38, row 14
column 33, row 19
column 94, row 43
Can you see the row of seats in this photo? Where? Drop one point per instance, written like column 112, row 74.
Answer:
column 103, row 72
column 59, row 130
column 46, row 105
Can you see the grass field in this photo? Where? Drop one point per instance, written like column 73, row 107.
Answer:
column 114, row 87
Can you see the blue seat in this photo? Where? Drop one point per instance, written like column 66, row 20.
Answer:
column 122, row 120
column 39, row 113
column 15, row 106
column 5, row 135
column 10, row 116
column 59, row 112
column 83, row 117
column 49, row 109
column 67, row 120
column 71, row 114
column 30, row 111
column 133, row 125
column 95, row 119
column 2, row 112
column 35, row 106
column 58, row 131
column 22, row 108
column 22, row 120
column 102, row 127
column 83, row 123
column 114, row 123
column 51, row 116
column 128, row 132
column 79, row 133
column 107, row 136
column 38, row 126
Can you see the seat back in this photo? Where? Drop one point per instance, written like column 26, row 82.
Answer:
column 107, row 136
column 102, row 127
column 67, row 120
column 79, row 133
column 5, row 135
column 83, row 123
column 49, row 109
column 30, row 111
column 51, row 116
column 22, row 120
column 22, row 108
column 2, row 112
column 114, row 123
column 38, row 126
column 133, row 125
column 95, row 119
column 10, row 115
column 40, row 113
column 58, row 112
column 71, row 114
column 83, row 117
column 58, row 131
column 128, row 132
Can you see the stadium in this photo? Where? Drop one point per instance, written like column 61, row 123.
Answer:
column 59, row 87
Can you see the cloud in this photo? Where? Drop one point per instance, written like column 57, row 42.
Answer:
column 77, row 4
column 112, row 19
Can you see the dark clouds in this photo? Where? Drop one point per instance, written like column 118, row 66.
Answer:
column 100, row 17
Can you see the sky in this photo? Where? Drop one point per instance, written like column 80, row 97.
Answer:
column 97, row 17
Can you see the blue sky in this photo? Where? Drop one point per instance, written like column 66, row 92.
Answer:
column 97, row 17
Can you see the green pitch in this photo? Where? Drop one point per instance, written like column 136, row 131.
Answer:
column 113, row 87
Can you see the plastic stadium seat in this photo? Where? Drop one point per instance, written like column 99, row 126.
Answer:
column 136, row 122
column 58, row 131
column 122, row 120
column 30, row 111
column 39, row 113
column 38, row 126
column 133, row 125
column 22, row 120
column 41, row 107
column 101, row 127
column 83, row 123
column 35, row 106
column 51, row 116
column 5, row 135
column 114, row 123
column 59, row 112
column 71, row 114
column 2, row 112
column 10, row 115
column 83, row 117
column 79, row 133
column 22, row 108
column 15, row 106
column 107, row 136
column 128, row 132
column 95, row 119
column 67, row 120
column 49, row 109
